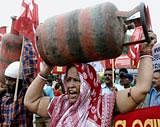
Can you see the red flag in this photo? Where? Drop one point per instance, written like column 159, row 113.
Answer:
column 28, row 20
column 35, row 17
column 107, row 63
column 133, row 51
column 2, row 31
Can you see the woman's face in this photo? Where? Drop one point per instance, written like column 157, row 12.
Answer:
column 73, row 84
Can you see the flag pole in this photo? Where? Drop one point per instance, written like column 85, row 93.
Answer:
column 19, row 71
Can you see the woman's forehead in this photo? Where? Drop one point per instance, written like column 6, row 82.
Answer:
column 72, row 72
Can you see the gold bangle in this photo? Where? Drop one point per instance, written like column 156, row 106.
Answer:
column 130, row 95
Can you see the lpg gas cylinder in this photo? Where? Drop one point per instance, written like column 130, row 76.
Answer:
column 10, row 50
column 83, row 35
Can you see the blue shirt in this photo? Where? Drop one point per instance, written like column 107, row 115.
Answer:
column 48, row 91
column 152, row 99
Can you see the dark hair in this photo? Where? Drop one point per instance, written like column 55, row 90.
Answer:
column 57, row 86
column 126, row 75
column 123, row 70
column 157, row 71
column 68, row 67
column 110, row 69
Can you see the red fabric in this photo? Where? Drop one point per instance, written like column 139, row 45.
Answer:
column 28, row 20
column 35, row 16
column 133, row 51
column 123, row 61
column 2, row 31
column 57, row 92
column 91, row 108
column 39, row 62
column 107, row 63
column 56, row 69
column 59, row 70
column 145, row 117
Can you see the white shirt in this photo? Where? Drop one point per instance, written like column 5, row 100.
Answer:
column 105, row 89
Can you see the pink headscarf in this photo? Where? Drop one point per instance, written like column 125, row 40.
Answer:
column 90, row 109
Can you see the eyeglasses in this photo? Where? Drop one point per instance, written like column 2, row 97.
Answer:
column 68, row 79
column 107, row 74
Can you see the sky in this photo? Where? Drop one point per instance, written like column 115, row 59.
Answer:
column 50, row 8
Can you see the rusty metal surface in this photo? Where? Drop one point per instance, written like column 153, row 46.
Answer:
column 85, row 35
column 143, row 21
column 10, row 50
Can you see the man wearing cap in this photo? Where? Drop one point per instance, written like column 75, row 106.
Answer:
column 126, row 79
column 13, row 113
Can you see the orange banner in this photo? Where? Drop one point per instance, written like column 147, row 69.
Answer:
column 145, row 117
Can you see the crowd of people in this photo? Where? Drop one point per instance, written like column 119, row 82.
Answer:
column 13, row 112
column 80, row 100
column 83, row 104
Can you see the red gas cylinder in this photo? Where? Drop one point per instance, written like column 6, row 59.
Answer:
column 84, row 35
column 10, row 50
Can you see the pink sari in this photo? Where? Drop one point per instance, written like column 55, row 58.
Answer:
column 90, row 110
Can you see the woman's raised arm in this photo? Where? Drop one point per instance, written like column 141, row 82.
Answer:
column 34, row 99
column 128, row 99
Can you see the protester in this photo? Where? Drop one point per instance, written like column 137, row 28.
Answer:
column 2, row 91
column 48, row 89
column 13, row 113
column 108, row 85
column 123, row 70
column 58, row 89
column 126, row 79
column 153, row 96
column 53, row 88
column 83, row 105
column 118, row 84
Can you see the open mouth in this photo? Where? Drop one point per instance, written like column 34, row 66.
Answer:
column 72, row 94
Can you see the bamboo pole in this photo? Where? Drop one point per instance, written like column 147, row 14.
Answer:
column 19, row 71
column 112, row 61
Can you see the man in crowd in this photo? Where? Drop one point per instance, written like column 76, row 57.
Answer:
column 153, row 96
column 118, row 85
column 2, row 90
column 13, row 113
column 126, row 79
column 107, row 86
column 124, row 70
